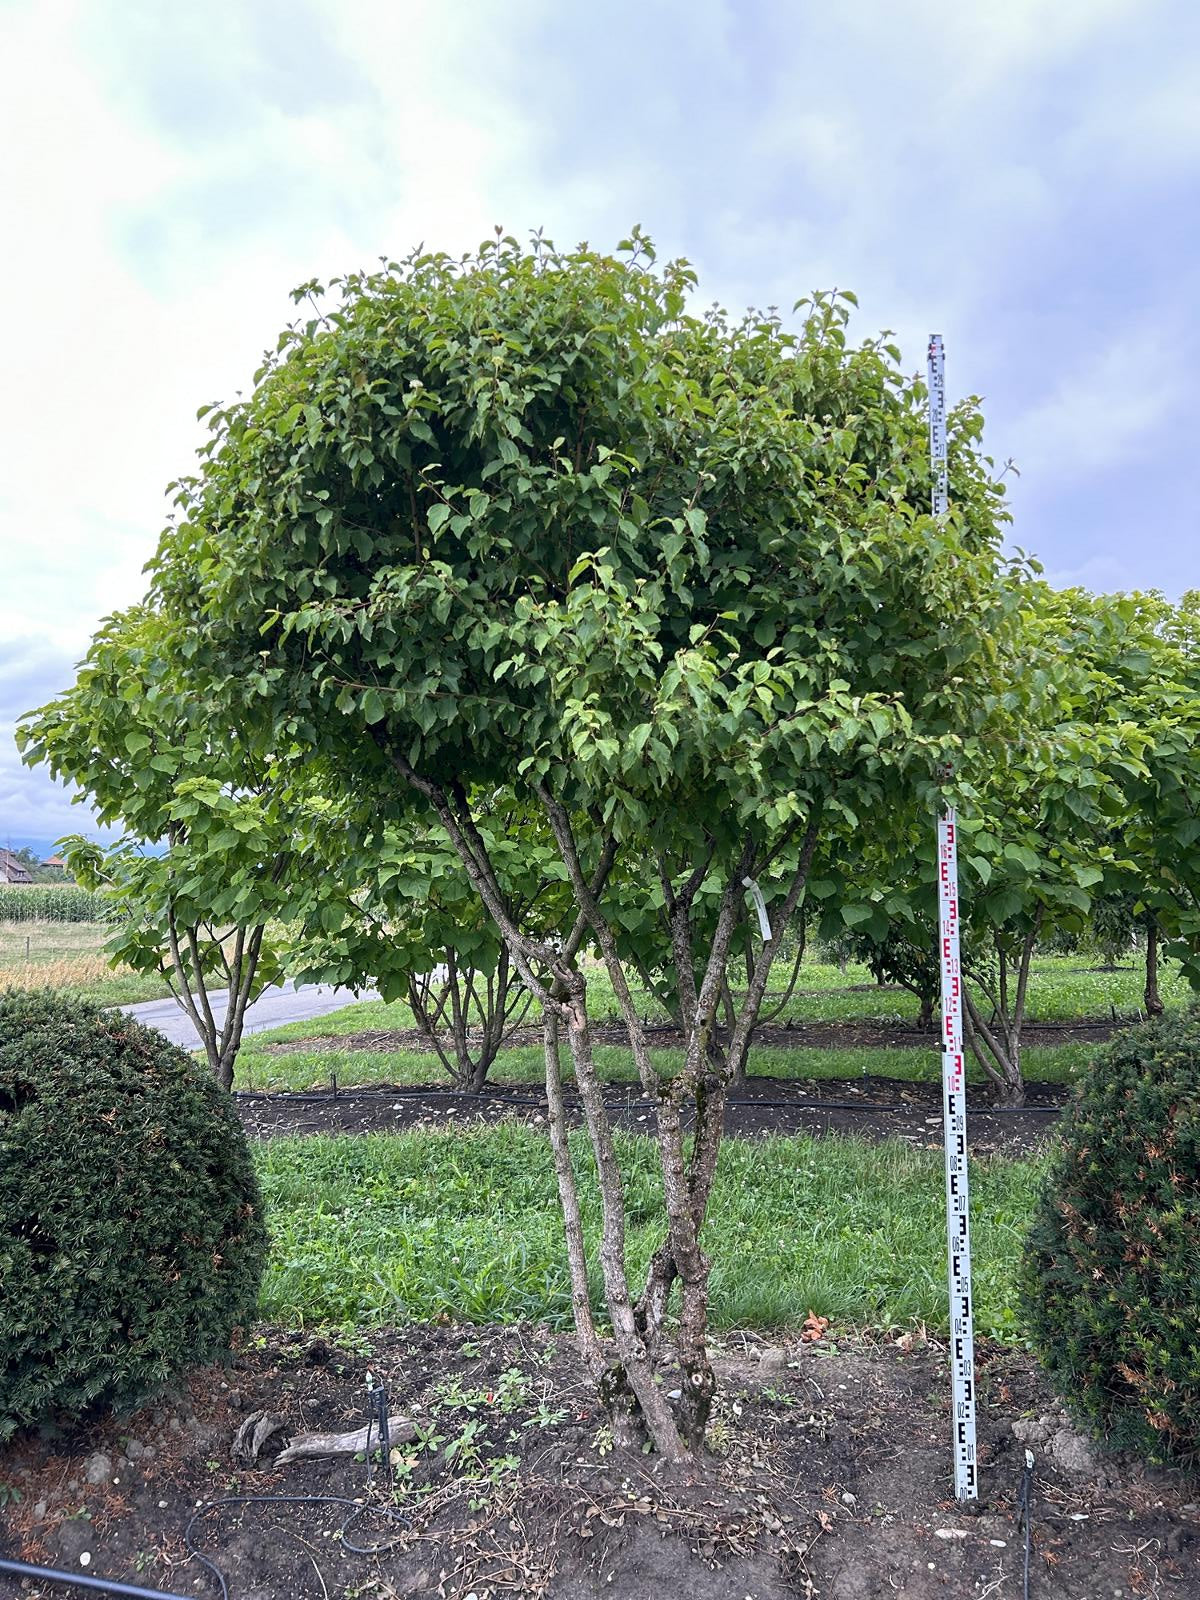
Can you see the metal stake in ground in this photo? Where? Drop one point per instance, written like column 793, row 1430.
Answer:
column 954, row 1087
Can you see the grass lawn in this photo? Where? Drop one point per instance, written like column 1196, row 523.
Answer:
column 69, row 956
column 394, row 1228
column 1061, row 989
column 391, row 1228
column 312, row 1069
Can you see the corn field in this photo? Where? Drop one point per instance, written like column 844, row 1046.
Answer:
column 52, row 902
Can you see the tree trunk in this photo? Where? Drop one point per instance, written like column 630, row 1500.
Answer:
column 736, row 1069
column 997, row 1049
column 463, row 1002
column 737, row 1066
column 568, row 1196
column 1153, row 1000
column 996, row 1044
column 186, row 980
column 636, row 1370
column 632, row 1387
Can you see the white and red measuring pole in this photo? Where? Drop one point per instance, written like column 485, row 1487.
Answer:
column 954, row 1076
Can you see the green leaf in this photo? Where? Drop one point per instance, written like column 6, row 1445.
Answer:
column 981, row 867
column 1000, row 906
column 856, row 916
column 1022, row 856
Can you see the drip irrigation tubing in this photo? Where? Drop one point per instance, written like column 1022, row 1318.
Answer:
column 1025, row 1518
column 356, row 1509
column 377, row 1417
column 314, row 1096
column 80, row 1580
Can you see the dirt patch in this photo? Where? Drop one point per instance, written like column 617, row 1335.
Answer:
column 788, row 1035
column 829, row 1479
column 867, row 1108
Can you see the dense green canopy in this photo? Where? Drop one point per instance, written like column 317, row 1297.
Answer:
column 522, row 516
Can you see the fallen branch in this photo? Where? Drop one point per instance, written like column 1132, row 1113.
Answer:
column 308, row 1445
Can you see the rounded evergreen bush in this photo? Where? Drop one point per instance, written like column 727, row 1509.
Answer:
column 131, row 1232
column 1111, row 1272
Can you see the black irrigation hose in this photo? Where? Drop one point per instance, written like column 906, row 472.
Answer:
column 315, row 1096
column 357, row 1509
column 133, row 1591
column 1025, row 1516
column 377, row 1416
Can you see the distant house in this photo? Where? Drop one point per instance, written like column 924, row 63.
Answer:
column 13, row 870
column 55, row 863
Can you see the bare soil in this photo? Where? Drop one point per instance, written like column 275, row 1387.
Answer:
column 868, row 1108
column 829, row 1479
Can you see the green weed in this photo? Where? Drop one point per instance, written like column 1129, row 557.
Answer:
column 394, row 1228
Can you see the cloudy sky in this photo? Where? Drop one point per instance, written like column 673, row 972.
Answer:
column 1018, row 174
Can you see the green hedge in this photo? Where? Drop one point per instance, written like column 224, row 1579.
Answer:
column 131, row 1233
column 1111, row 1276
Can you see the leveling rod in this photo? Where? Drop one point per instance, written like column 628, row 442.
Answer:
column 954, row 1077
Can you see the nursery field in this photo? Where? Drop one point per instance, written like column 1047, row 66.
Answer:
column 836, row 1025
column 522, row 634
column 1062, row 988
column 425, row 1255
column 409, row 1200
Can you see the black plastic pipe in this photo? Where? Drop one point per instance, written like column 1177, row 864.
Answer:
column 26, row 1569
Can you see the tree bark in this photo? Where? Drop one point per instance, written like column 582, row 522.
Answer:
column 568, row 1198
column 990, row 1049
column 1151, row 996
column 635, row 1402
column 996, row 1044
column 710, row 1088
column 185, row 978
column 636, row 1367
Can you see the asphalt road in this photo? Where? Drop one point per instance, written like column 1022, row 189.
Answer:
column 272, row 1009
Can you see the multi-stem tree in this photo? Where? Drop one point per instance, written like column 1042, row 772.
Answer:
column 1156, row 661
column 220, row 836
column 1080, row 785
column 522, row 522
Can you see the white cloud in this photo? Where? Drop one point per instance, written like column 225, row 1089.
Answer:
column 133, row 294
column 1105, row 411
column 114, row 354
column 32, row 670
column 174, row 170
column 1102, row 575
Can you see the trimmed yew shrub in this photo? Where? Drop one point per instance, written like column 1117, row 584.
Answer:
column 131, row 1232
column 1111, row 1274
